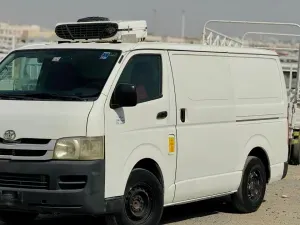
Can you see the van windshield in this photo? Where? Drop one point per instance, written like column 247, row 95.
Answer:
column 56, row 74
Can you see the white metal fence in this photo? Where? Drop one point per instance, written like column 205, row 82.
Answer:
column 290, row 65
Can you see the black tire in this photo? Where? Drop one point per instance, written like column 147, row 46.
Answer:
column 14, row 218
column 295, row 154
column 145, row 194
column 251, row 192
column 92, row 19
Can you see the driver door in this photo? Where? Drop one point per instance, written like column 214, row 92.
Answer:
column 142, row 131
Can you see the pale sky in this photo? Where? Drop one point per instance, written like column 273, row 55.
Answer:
column 49, row 12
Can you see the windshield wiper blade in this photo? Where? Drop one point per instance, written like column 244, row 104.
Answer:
column 14, row 97
column 45, row 95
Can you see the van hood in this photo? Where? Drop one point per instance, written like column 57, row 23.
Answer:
column 44, row 119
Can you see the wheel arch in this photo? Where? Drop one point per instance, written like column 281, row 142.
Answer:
column 258, row 146
column 146, row 157
column 151, row 166
column 260, row 153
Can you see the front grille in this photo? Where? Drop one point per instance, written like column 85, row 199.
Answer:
column 86, row 30
column 33, row 141
column 29, row 181
column 22, row 152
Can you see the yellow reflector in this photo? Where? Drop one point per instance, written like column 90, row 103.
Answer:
column 171, row 144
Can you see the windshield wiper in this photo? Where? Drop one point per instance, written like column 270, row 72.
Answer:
column 45, row 95
column 14, row 97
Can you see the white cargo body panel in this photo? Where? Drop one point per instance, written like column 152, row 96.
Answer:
column 228, row 111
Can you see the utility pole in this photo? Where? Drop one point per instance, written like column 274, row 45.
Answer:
column 182, row 23
column 154, row 21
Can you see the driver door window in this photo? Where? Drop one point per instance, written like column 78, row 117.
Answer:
column 20, row 74
column 145, row 72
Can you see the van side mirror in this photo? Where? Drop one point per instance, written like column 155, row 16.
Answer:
column 125, row 95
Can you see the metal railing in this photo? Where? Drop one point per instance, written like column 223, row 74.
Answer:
column 289, row 64
column 216, row 38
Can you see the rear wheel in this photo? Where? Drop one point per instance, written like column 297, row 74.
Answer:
column 251, row 192
column 143, row 200
column 15, row 218
column 295, row 154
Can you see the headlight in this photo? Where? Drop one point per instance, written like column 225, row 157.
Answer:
column 81, row 148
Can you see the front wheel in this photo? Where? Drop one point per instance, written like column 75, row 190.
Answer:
column 251, row 192
column 14, row 218
column 143, row 200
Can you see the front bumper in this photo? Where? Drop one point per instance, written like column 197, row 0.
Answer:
column 75, row 187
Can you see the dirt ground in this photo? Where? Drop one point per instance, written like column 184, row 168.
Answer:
column 281, row 207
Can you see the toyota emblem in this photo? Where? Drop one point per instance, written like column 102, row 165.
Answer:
column 9, row 135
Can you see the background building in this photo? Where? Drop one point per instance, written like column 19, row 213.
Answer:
column 12, row 36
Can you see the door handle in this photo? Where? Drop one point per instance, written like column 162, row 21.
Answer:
column 182, row 115
column 162, row 115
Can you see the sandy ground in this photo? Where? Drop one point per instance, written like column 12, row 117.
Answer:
column 281, row 206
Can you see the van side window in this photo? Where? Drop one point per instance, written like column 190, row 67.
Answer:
column 145, row 72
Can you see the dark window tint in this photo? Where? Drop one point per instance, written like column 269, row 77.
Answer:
column 79, row 74
column 145, row 72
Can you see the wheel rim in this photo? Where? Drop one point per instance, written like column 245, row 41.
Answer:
column 255, row 185
column 138, row 203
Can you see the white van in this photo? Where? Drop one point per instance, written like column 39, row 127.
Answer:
column 2, row 56
column 125, row 129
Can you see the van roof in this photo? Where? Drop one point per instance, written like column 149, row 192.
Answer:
column 151, row 45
